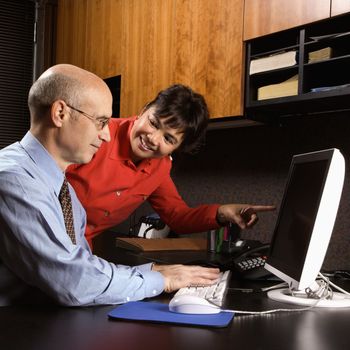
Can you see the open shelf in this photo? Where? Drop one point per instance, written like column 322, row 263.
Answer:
column 321, row 84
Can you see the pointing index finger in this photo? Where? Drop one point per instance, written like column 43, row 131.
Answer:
column 262, row 207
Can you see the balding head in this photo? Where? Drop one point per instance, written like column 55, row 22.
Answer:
column 61, row 82
column 67, row 105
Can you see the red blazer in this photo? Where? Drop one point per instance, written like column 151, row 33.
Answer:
column 110, row 188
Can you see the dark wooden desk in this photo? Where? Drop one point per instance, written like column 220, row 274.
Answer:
column 53, row 327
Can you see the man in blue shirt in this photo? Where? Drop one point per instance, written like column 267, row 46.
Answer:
column 70, row 109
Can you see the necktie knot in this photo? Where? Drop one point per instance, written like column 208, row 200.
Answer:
column 66, row 205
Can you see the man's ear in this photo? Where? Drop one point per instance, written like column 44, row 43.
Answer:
column 59, row 111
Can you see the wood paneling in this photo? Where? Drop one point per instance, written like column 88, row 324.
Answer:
column 155, row 43
column 209, row 52
column 262, row 17
column 197, row 43
column 89, row 35
column 146, row 51
column 340, row 6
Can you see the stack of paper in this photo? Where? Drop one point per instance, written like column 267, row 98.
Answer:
column 286, row 88
column 280, row 60
column 320, row 55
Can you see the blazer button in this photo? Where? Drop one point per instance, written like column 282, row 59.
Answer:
column 106, row 213
column 118, row 193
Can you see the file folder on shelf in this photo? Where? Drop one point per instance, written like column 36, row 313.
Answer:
column 280, row 60
column 286, row 88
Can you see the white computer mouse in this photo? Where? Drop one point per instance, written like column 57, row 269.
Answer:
column 192, row 304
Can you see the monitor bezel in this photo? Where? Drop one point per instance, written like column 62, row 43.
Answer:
column 324, row 220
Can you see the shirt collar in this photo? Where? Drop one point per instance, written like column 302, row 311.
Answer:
column 121, row 147
column 42, row 158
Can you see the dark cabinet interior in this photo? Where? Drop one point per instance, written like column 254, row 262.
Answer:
column 323, row 84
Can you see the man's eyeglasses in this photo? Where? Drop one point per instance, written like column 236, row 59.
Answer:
column 100, row 123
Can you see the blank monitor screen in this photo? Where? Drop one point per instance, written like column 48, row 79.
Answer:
column 304, row 228
column 297, row 216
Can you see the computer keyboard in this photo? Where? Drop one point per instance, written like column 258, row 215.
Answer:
column 214, row 293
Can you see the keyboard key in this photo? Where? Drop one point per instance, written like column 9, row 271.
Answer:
column 214, row 293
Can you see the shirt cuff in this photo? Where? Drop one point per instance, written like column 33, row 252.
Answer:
column 144, row 267
column 154, row 283
column 154, row 280
column 212, row 216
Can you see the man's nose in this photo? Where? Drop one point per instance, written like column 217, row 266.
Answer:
column 105, row 135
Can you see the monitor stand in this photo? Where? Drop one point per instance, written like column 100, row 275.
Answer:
column 338, row 300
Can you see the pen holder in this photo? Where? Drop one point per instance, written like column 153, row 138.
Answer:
column 211, row 241
column 223, row 239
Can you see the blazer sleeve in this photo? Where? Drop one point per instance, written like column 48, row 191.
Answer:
column 181, row 218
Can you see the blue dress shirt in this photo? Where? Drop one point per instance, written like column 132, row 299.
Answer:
column 37, row 256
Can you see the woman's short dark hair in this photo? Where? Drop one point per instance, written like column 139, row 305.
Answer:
column 183, row 109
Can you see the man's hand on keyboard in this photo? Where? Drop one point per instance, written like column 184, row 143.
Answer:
column 180, row 276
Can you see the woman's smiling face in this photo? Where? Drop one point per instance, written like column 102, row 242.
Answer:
column 151, row 138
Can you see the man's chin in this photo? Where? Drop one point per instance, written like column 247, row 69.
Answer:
column 85, row 160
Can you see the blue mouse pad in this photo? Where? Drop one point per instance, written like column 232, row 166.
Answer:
column 158, row 312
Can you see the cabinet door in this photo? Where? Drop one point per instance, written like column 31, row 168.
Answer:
column 89, row 35
column 263, row 17
column 146, row 51
column 208, row 52
column 340, row 6
column 156, row 43
column 197, row 43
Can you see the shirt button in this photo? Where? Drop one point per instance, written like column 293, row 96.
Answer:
column 118, row 193
column 154, row 292
column 106, row 213
column 127, row 298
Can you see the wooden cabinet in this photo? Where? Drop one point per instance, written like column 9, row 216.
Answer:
column 89, row 35
column 339, row 7
column 263, row 17
column 146, row 51
column 155, row 43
